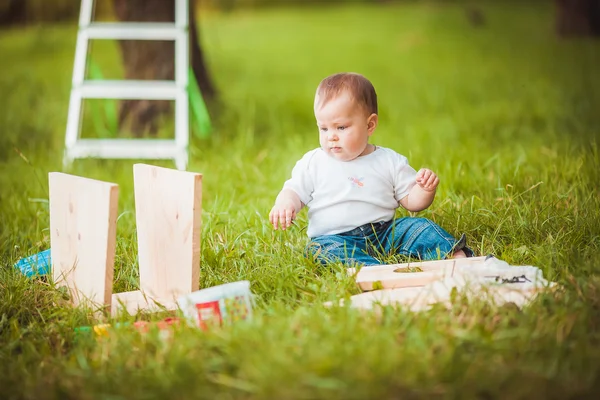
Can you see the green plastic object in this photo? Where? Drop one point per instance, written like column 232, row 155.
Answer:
column 198, row 106
column 105, row 120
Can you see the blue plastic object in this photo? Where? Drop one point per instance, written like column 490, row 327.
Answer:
column 37, row 264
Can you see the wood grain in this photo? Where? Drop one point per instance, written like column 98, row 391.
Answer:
column 168, row 215
column 384, row 276
column 83, row 226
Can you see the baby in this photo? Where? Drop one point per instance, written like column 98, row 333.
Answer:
column 352, row 188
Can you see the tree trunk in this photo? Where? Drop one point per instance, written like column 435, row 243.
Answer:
column 15, row 13
column 154, row 60
column 578, row 17
column 197, row 59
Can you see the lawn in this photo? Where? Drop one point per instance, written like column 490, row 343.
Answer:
column 506, row 114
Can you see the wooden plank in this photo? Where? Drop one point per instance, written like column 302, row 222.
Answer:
column 136, row 300
column 83, row 228
column 408, row 296
column 393, row 276
column 431, row 265
column 168, row 214
column 421, row 298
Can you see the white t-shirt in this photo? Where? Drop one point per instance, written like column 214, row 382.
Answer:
column 343, row 195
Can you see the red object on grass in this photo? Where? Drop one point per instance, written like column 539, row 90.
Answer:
column 209, row 314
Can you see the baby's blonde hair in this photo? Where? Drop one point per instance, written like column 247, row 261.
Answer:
column 356, row 85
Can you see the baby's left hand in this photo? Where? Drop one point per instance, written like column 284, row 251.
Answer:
column 427, row 179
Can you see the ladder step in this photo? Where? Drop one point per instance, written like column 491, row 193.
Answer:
column 132, row 31
column 126, row 148
column 130, row 89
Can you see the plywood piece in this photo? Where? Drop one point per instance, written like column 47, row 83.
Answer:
column 83, row 228
column 136, row 300
column 168, row 214
column 384, row 276
column 412, row 296
column 440, row 292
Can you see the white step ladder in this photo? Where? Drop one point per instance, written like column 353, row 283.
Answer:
column 175, row 149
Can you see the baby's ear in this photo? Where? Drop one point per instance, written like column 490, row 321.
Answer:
column 372, row 123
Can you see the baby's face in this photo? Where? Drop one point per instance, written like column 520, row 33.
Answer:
column 344, row 127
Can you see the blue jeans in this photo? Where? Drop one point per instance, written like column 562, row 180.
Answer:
column 412, row 237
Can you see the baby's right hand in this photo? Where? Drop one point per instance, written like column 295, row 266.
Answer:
column 282, row 214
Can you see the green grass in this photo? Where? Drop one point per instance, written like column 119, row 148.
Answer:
column 507, row 115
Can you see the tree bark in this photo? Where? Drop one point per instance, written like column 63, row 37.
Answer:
column 13, row 14
column 578, row 17
column 155, row 60
column 197, row 59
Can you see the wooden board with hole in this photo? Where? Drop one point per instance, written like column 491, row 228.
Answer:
column 412, row 274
